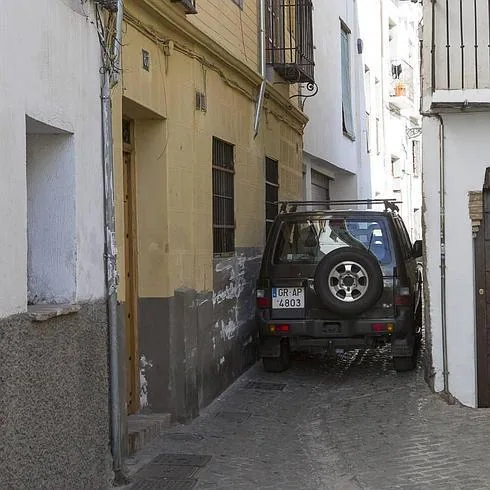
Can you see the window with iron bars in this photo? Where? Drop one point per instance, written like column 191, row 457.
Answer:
column 271, row 192
column 289, row 39
column 223, row 197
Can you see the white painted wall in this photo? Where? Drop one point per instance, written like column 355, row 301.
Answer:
column 467, row 147
column 51, row 226
column 51, row 57
column 334, row 153
column 362, row 168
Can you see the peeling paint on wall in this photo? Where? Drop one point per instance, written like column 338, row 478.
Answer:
column 144, row 364
column 226, row 329
column 235, row 278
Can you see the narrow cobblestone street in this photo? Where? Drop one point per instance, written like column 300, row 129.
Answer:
column 344, row 423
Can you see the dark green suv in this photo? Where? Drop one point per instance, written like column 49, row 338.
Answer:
column 338, row 279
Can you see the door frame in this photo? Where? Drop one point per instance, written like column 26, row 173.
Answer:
column 131, row 268
column 481, row 244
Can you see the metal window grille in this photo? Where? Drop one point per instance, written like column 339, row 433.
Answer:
column 289, row 39
column 223, row 197
column 271, row 192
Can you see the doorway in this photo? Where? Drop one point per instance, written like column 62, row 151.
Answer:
column 131, row 269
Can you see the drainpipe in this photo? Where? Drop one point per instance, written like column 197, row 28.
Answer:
column 442, row 243
column 261, row 95
column 110, row 77
column 116, row 74
column 442, row 204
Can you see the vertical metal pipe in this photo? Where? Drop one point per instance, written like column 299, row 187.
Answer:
column 262, row 67
column 116, row 49
column 461, row 33
column 448, row 47
column 433, row 51
column 111, row 281
column 442, row 244
column 442, row 218
column 475, row 20
column 110, row 76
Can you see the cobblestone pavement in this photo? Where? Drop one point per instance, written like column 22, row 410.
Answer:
column 345, row 423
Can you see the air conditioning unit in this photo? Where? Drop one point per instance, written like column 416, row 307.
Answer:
column 188, row 5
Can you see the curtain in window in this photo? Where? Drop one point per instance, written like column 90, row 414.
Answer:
column 346, row 84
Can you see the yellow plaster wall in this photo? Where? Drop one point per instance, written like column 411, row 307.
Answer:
column 174, row 156
column 151, row 180
column 235, row 29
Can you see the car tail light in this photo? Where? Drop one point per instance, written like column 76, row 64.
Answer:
column 279, row 328
column 403, row 297
column 262, row 299
column 383, row 327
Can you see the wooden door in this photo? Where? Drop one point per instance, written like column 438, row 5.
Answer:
column 131, row 273
column 482, row 295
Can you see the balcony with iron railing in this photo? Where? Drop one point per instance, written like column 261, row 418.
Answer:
column 402, row 89
column 189, row 6
column 289, row 39
column 456, row 47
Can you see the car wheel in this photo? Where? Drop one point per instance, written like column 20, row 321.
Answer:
column 278, row 364
column 402, row 364
column 349, row 280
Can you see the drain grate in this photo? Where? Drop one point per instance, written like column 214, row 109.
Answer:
column 264, row 386
column 234, row 416
column 167, row 471
column 182, row 436
column 164, row 484
column 184, row 460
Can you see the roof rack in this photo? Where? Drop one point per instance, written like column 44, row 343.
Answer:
column 291, row 206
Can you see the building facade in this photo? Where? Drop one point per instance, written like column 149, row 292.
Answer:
column 336, row 160
column 195, row 185
column 401, row 21
column 363, row 138
column 54, row 414
column 456, row 83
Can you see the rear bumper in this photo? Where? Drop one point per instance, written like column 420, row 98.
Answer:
column 343, row 334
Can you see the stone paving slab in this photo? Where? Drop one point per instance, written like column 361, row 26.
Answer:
column 346, row 423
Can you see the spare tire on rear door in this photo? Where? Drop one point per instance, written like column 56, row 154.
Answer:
column 348, row 280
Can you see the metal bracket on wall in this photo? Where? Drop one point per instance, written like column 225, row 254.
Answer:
column 310, row 87
column 413, row 132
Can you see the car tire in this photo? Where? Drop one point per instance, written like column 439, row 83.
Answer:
column 403, row 364
column 365, row 276
column 278, row 364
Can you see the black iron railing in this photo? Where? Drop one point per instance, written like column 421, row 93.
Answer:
column 188, row 5
column 289, row 39
column 459, row 43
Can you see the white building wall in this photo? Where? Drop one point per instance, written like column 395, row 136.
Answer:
column 466, row 155
column 361, row 168
column 372, row 19
column 49, row 49
column 335, row 154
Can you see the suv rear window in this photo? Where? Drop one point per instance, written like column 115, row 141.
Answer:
column 307, row 241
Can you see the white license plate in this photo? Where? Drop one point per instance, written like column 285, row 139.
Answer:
column 287, row 298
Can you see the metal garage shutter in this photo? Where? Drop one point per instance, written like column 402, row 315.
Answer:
column 319, row 186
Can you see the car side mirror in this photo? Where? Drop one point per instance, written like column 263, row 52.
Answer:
column 417, row 249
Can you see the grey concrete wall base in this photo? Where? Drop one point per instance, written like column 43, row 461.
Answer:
column 195, row 344
column 184, row 352
column 429, row 373
column 54, row 417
